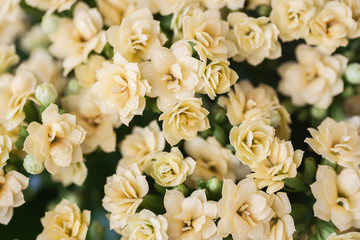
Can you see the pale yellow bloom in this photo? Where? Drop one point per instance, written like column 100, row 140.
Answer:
column 75, row 173
column 213, row 159
column 12, row 21
column 8, row 57
column 49, row 71
column 140, row 146
column 14, row 93
column 355, row 8
column 66, row 221
column 331, row 27
column 282, row 226
column 76, row 38
column 172, row 74
column 113, row 11
column 345, row 236
column 282, row 163
column 337, row 196
column 170, row 169
column 208, row 29
column 11, row 186
column 98, row 126
column 184, row 120
column 190, row 218
column 121, row 89
column 315, row 79
column 56, row 142
column 123, row 195
column 292, row 17
column 51, row 6
column 145, row 225
column 247, row 102
column 255, row 38
column 137, row 36
column 34, row 38
column 218, row 4
column 337, row 142
column 252, row 140
column 5, row 148
column 167, row 7
column 244, row 211
column 86, row 73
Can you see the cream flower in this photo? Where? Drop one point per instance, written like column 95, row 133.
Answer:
column 121, row 89
column 337, row 197
column 49, row 71
column 51, row 6
column 75, row 173
column 244, row 211
column 170, row 169
column 292, row 17
column 76, row 38
column 123, row 195
column 252, row 140
column 140, row 146
column 279, row 165
column 8, row 57
column 190, row 218
column 208, row 29
column 66, row 221
column 167, row 7
column 345, row 236
column 86, row 73
column 172, row 74
column 5, row 148
column 315, row 79
column 255, row 38
column 218, row 4
column 355, row 8
column 12, row 21
column 247, row 102
column 282, row 225
column 216, row 77
column 331, row 27
column 56, row 142
column 113, row 11
column 213, row 159
column 337, row 142
column 11, row 186
column 184, row 120
column 14, row 93
column 34, row 38
column 98, row 126
column 137, row 36
column 145, row 225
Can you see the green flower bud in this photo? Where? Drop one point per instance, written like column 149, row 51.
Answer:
column 73, row 86
column 349, row 91
column 352, row 73
column 50, row 24
column 214, row 187
column 263, row 10
column 275, row 118
column 201, row 184
column 182, row 188
column 46, row 94
column 31, row 166
column 318, row 113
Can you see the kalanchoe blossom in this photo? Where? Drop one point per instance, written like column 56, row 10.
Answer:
column 56, row 142
column 51, row 6
column 218, row 4
column 114, row 11
column 86, row 73
column 66, row 221
column 345, row 236
column 76, row 173
column 123, row 194
column 5, row 148
column 8, row 57
column 12, row 21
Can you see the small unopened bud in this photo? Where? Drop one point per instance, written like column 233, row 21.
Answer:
column 50, row 24
column 73, row 86
column 182, row 188
column 263, row 10
column 214, row 187
column 275, row 118
column 31, row 166
column 46, row 94
column 318, row 113
column 352, row 73
column 201, row 184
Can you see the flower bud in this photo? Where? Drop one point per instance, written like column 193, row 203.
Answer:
column 352, row 73
column 275, row 118
column 201, row 184
column 50, row 24
column 46, row 94
column 349, row 91
column 318, row 113
column 263, row 10
column 214, row 187
column 31, row 166
column 73, row 86
column 183, row 189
